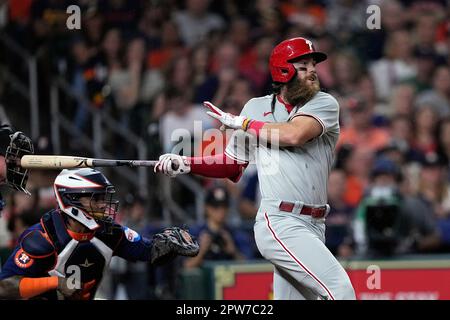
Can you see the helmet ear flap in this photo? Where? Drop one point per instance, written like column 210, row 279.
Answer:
column 281, row 69
column 291, row 72
column 286, row 73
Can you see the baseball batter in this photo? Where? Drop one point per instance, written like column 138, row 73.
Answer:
column 291, row 135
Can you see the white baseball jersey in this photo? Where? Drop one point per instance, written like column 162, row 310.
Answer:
column 291, row 173
column 294, row 243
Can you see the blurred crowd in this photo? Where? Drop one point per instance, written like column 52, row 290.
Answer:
column 151, row 64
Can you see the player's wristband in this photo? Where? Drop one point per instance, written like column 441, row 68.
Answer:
column 31, row 287
column 245, row 124
column 253, row 125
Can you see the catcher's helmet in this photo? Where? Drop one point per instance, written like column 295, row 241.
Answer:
column 86, row 196
column 279, row 63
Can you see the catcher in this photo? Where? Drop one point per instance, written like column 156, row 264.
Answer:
column 65, row 255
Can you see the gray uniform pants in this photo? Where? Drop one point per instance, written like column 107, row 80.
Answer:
column 304, row 268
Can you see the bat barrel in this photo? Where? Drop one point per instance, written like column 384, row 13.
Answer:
column 71, row 162
column 54, row 162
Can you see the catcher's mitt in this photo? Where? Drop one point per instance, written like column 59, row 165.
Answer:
column 170, row 243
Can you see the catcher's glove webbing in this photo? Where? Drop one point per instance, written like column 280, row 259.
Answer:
column 172, row 242
column 19, row 146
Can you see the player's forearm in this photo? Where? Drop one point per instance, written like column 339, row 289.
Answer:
column 218, row 166
column 17, row 287
column 284, row 134
column 300, row 129
column 135, row 249
column 9, row 288
column 296, row 132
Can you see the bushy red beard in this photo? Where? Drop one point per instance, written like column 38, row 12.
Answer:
column 299, row 91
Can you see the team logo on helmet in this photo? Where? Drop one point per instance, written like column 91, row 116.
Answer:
column 23, row 260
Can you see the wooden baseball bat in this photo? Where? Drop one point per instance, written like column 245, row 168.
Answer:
column 72, row 162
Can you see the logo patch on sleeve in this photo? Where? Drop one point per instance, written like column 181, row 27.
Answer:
column 23, row 260
column 131, row 235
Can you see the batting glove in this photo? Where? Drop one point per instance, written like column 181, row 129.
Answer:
column 172, row 165
column 227, row 119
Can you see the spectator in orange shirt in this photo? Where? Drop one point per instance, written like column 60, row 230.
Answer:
column 360, row 132
column 171, row 47
column 357, row 168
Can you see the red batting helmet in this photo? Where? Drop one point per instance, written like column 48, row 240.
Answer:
column 279, row 63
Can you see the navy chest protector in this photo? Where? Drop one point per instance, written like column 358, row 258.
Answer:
column 89, row 256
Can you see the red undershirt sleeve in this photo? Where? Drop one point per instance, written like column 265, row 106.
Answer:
column 217, row 166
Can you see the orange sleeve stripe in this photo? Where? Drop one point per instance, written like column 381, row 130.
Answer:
column 31, row 287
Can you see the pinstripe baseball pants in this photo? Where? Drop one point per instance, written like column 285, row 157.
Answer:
column 304, row 268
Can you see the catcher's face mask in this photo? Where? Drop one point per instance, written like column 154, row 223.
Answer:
column 16, row 176
column 101, row 206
